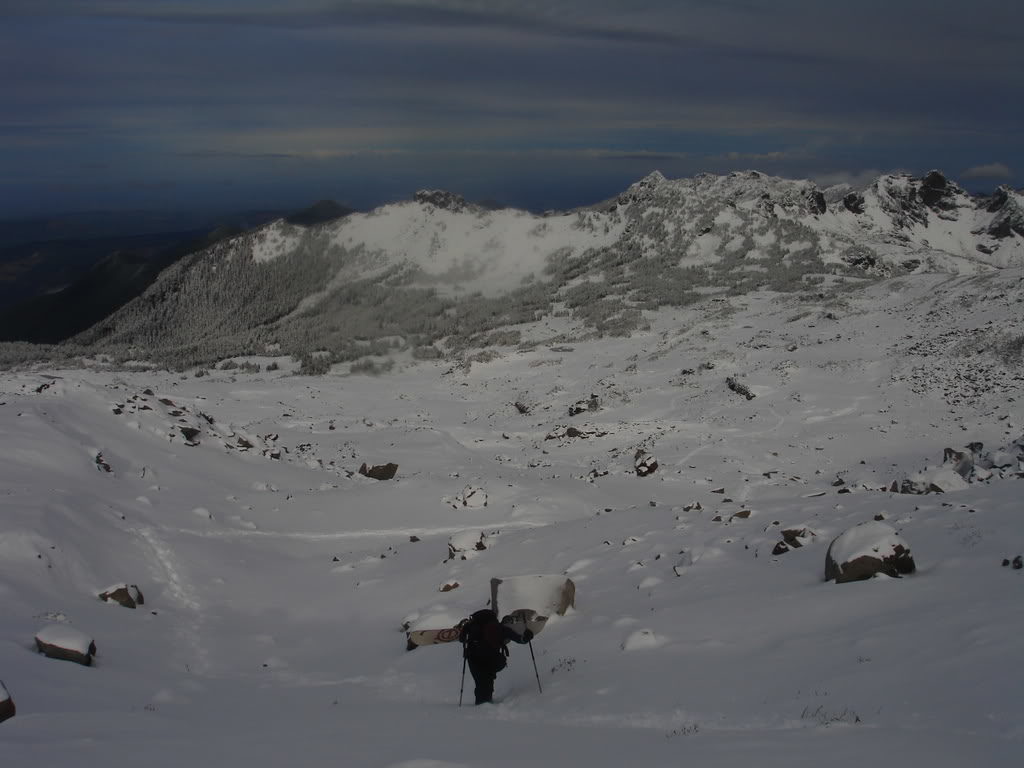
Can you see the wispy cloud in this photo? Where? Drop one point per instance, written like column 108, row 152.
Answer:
column 988, row 171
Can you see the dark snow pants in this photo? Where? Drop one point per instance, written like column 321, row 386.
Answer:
column 484, row 673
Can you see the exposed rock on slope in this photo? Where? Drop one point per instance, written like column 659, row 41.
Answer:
column 865, row 550
column 59, row 641
column 127, row 595
column 7, row 708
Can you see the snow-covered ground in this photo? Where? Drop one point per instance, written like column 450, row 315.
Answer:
column 276, row 588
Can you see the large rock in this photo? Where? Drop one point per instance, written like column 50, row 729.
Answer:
column 582, row 406
column 1009, row 209
column 542, row 594
column 7, row 709
column 127, row 595
column 865, row 550
column 644, row 464
column 380, row 471
column 739, row 387
column 59, row 641
column 936, row 191
column 854, row 202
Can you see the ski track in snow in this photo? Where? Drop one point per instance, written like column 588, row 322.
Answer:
column 382, row 533
column 190, row 628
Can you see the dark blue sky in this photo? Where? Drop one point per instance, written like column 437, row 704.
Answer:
column 223, row 104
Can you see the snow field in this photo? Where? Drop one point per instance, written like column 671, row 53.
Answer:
column 272, row 628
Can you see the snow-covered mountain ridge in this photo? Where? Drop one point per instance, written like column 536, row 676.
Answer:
column 440, row 271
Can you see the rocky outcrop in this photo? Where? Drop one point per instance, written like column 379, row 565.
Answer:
column 816, row 204
column 793, row 538
column 739, row 388
column 963, row 467
column 936, row 192
column 1008, row 207
column 866, row 550
column 127, row 595
column 582, row 406
column 380, row 471
column 439, row 198
column 644, row 464
column 60, row 641
column 907, row 200
column 854, row 202
column 573, row 433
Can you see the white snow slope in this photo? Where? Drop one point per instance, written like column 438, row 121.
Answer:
column 276, row 588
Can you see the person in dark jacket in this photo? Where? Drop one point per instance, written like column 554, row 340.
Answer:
column 485, row 647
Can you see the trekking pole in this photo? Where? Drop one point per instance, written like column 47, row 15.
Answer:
column 463, row 684
column 535, row 672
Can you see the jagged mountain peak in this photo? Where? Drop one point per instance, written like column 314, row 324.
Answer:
column 444, row 200
column 910, row 200
column 748, row 190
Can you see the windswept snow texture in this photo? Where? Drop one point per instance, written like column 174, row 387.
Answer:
column 469, row 251
column 279, row 582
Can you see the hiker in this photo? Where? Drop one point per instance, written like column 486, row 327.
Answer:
column 485, row 646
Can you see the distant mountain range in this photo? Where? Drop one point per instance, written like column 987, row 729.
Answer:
column 330, row 285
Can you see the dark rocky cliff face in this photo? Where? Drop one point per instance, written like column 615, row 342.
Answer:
column 447, row 201
column 1009, row 211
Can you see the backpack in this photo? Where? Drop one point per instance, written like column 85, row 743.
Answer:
column 484, row 639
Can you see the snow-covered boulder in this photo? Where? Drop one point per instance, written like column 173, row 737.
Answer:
column 59, row 641
column 6, row 703
column 960, row 468
column 644, row 464
column 934, row 480
column 127, row 595
column 543, row 594
column 643, row 640
column 468, row 544
column 865, row 550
